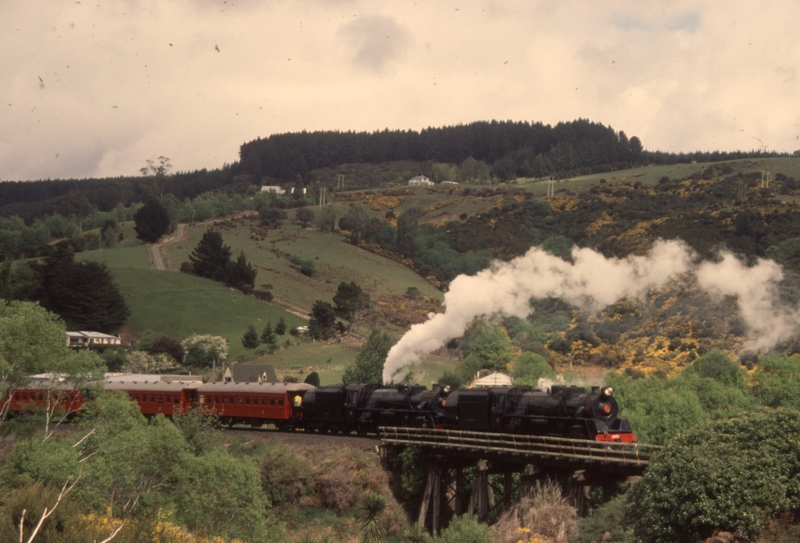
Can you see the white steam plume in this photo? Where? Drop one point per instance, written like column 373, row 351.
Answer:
column 593, row 282
column 756, row 290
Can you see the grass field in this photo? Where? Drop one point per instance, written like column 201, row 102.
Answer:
column 178, row 305
column 335, row 259
column 789, row 166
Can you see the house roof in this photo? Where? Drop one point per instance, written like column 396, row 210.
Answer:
column 249, row 373
column 493, row 380
column 93, row 335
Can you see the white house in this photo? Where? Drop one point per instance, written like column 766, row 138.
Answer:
column 492, row 380
column 419, row 180
column 272, row 188
column 87, row 340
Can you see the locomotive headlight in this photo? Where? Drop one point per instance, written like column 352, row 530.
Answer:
column 608, row 391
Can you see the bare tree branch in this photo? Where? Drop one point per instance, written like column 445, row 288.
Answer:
column 46, row 513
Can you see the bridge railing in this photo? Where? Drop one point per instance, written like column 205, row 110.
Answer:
column 556, row 448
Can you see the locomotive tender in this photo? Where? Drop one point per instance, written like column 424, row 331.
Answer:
column 562, row 411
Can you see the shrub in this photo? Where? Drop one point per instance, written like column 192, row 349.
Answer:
column 605, row 524
column 732, row 476
column 305, row 265
column 530, row 367
column 285, row 475
column 65, row 525
column 312, row 379
column 465, row 529
column 546, row 514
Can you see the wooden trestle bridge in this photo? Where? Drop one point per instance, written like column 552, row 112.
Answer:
column 451, row 453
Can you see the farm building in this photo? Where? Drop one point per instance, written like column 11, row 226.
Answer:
column 419, row 180
column 272, row 188
column 89, row 340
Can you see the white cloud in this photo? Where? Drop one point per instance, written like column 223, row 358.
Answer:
column 682, row 76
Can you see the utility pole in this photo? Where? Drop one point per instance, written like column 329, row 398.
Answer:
column 339, row 181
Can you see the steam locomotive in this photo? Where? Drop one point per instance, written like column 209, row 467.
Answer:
column 564, row 411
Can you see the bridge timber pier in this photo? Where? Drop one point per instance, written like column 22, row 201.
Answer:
column 451, row 454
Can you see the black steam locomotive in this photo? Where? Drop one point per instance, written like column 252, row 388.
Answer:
column 564, row 411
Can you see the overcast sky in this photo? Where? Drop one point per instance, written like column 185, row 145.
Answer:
column 94, row 88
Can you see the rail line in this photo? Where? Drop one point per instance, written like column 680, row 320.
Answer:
column 630, row 457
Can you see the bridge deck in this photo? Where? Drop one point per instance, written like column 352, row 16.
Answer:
column 630, row 457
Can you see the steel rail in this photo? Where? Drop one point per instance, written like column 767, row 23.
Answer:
column 626, row 454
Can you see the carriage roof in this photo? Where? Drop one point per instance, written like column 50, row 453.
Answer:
column 254, row 388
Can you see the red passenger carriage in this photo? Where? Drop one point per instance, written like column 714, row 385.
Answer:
column 255, row 403
column 156, row 396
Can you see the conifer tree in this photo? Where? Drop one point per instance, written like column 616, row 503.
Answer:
column 280, row 328
column 211, row 257
column 241, row 273
column 268, row 337
column 349, row 300
column 151, row 221
column 250, row 338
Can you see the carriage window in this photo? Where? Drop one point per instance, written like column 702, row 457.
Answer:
column 233, row 399
column 247, row 400
column 136, row 397
column 263, row 400
column 280, row 401
column 25, row 396
column 224, row 399
column 160, row 398
column 40, row 396
column 272, row 400
column 152, row 398
column 202, row 399
column 240, row 399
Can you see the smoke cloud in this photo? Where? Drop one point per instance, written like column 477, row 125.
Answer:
column 593, row 282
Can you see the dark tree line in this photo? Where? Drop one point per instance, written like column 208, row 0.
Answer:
column 32, row 199
column 285, row 156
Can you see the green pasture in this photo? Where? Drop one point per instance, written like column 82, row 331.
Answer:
column 119, row 257
column 789, row 166
column 335, row 259
column 179, row 305
column 305, row 356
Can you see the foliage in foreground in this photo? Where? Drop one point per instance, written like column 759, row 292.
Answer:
column 132, row 469
column 732, row 475
column 545, row 514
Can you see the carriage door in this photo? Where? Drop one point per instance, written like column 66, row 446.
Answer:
column 497, row 421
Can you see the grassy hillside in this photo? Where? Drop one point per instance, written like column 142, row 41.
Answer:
column 335, row 259
column 619, row 213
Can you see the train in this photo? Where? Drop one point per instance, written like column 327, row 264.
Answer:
column 560, row 411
